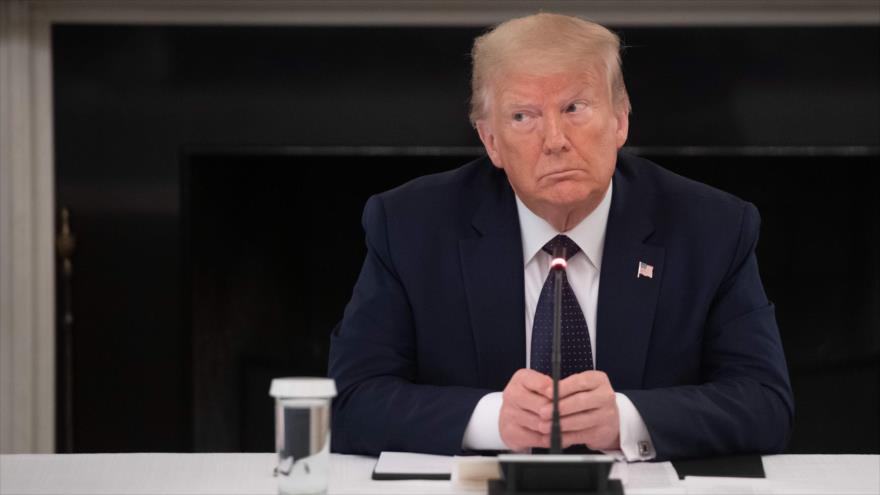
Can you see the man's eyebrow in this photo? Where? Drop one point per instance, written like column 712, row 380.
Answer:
column 585, row 90
column 518, row 105
column 517, row 101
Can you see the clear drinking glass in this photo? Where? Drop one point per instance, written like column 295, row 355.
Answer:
column 302, row 433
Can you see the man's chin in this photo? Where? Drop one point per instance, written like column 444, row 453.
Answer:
column 569, row 194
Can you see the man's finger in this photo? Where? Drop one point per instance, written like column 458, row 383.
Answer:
column 517, row 437
column 532, row 380
column 597, row 437
column 579, row 402
column 584, row 401
column 525, row 419
column 529, row 401
column 573, row 422
column 581, row 421
column 579, row 382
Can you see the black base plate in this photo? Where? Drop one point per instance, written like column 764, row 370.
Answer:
column 499, row 487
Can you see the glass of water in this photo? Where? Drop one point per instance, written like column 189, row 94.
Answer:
column 302, row 433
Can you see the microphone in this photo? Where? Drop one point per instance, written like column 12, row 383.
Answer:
column 557, row 266
column 527, row 474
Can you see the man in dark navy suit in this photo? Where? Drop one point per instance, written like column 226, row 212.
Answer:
column 670, row 346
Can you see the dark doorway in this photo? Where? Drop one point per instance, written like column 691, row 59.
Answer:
column 272, row 248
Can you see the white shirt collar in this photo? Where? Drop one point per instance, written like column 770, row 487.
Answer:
column 589, row 234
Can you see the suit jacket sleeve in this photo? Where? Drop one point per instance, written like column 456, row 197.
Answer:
column 745, row 402
column 381, row 404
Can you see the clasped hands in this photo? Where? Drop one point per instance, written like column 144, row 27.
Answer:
column 587, row 411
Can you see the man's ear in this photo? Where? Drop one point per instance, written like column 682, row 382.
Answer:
column 488, row 139
column 622, row 128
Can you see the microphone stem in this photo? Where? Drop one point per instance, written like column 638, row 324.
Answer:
column 555, row 432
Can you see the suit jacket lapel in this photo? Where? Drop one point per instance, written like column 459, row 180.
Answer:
column 492, row 270
column 627, row 301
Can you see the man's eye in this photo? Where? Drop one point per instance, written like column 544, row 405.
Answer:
column 519, row 116
column 575, row 107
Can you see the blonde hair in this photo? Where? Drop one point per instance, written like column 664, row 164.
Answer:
column 546, row 44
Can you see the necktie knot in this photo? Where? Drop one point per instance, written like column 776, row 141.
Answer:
column 563, row 241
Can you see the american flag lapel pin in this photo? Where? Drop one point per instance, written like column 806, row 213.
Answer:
column 645, row 270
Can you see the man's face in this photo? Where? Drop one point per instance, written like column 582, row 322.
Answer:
column 556, row 137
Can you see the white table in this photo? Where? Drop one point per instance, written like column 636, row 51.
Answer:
column 252, row 474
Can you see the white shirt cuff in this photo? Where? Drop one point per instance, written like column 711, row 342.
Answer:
column 635, row 440
column 482, row 430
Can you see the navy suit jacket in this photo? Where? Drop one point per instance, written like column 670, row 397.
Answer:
column 437, row 317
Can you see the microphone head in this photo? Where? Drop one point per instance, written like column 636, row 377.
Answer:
column 559, row 258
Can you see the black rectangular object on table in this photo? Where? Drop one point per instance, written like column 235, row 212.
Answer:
column 556, row 475
column 410, row 476
column 737, row 466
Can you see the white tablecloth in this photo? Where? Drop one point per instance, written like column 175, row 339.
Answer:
column 252, row 474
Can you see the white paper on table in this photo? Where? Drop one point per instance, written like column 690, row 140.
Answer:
column 821, row 474
column 720, row 485
column 648, row 476
column 406, row 463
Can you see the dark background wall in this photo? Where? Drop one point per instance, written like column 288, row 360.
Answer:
column 205, row 167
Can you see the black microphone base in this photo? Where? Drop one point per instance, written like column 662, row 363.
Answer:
column 555, row 475
column 499, row 487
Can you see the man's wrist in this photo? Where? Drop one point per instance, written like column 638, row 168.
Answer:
column 482, row 431
column 635, row 439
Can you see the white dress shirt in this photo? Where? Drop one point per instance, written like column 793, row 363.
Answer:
column 583, row 272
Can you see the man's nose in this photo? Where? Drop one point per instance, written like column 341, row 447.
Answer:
column 555, row 140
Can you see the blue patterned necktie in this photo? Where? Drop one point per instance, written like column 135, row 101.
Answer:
column 576, row 352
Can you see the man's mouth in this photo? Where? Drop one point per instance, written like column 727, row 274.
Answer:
column 561, row 174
